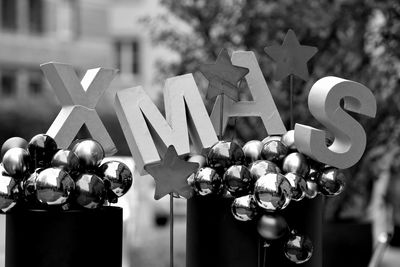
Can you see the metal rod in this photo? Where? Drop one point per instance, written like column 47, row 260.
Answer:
column 265, row 256
column 171, row 230
column 291, row 78
column 221, row 117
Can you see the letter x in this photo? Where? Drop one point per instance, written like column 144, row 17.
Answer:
column 78, row 100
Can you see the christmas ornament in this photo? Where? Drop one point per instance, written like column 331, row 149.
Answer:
column 171, row 175
column 199, row 159
column 298, row 185
column 244, row 208
column 29, row 187
column 311, row 190
column 274, row 150
column 262, row 167
column 90, row 154
column 117, row 177
column 54, row 186
column 291, row 57
column 90, row 191
column 237, row 180
column 271, row 138
column 206, row 181
column 331, row 182
column 223, row 76
column 42, row 149
column 8, row 192
column 272, row 192
column 11, row 143
column 224, row 154
column 296, row 163
column 16, row 162
column 288, row 140
column 67, row 161
column 298, row 248
column 252, row 151
column 272, row 226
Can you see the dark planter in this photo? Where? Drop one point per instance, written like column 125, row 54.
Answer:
column 76, row 238
column 347, row 244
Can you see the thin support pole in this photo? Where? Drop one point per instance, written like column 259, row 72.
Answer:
column 221, row 117
column 171, row 230
column 291, row 78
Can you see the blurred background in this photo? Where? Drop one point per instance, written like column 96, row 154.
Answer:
column 151, row 40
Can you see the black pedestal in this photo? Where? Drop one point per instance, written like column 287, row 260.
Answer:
column 77, row 238
column 215, row 238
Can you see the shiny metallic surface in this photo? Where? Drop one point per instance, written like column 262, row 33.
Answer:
column 16, row 162
column 271, row 138
column 274, row 151
column 296, row 163
column 8, row 192
column 272, row 226
column 11, row 143
column 331, row 182
column 66, row 160
column 42, row 149
column 238, row 180
column 244, row 208
column 252, row 151
column 117, row 177
column 298, row 248
column 207, row 181
column 200, row 159
column 262, row 167
column 224, row 154
column 272, row 192
column 90, row 154
column 54, row 186
column 311, row 190
column 90, row 191
column 298, row 185
column 288, row 140
column 29, row 186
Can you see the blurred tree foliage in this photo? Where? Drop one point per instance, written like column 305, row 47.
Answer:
column 357, row 40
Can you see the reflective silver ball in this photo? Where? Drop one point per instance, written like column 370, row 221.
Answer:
column 117, row 177
column 224, row 154
column 200, row 159
column 90, row 154
column 207, row 181
column 66, row 160
column 41, row 149
column 252, row 151
column 11, row 143
column 311, row 190
column 298, row 248
column 331, row 182
column 296, row 163
column 271, row 138
column 244, row 208
column 288, row 140
column 272, row 226
column 16, row 162
column 262, row 167
column 237, row 179
column 274, row 151
column 90, row 191
column 29, row 187
column 54, row 186
column 298, row 185
column 272, row 192
column 8, row 192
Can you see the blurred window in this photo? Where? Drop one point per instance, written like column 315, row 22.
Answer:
column 8, row 82
column 35, row 83
column 36, row 15
column 9, row 15
column 127, row 53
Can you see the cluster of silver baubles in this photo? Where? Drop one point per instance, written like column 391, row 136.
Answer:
column 262, row 178
column 37, row 174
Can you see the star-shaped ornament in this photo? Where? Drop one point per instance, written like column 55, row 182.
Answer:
column 223, row 77
column 171, row 175
column 291, row 57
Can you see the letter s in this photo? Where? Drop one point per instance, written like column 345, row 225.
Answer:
column 324, row 104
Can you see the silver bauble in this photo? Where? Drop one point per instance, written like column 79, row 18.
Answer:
column 90, row 191
column 224, row 154
column 298, row 248
column 90, row 154
column 298, row 185
column 237, row 179
column 116, row 176
column 16, row 162
column 272, row 226
column 206, row 181
column 252, row 151
column 331, row 182
column 288, row 140
column 296, row 163
column 274, row 151
column 272, row 192
column 8, row 192
column 244, row 208
column 262, row 167
column 271, row 138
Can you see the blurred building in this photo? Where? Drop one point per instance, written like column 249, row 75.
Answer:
column 83, row 33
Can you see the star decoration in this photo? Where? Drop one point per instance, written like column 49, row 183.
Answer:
column 171, row 175
column 291, row 57
column 223, row 76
